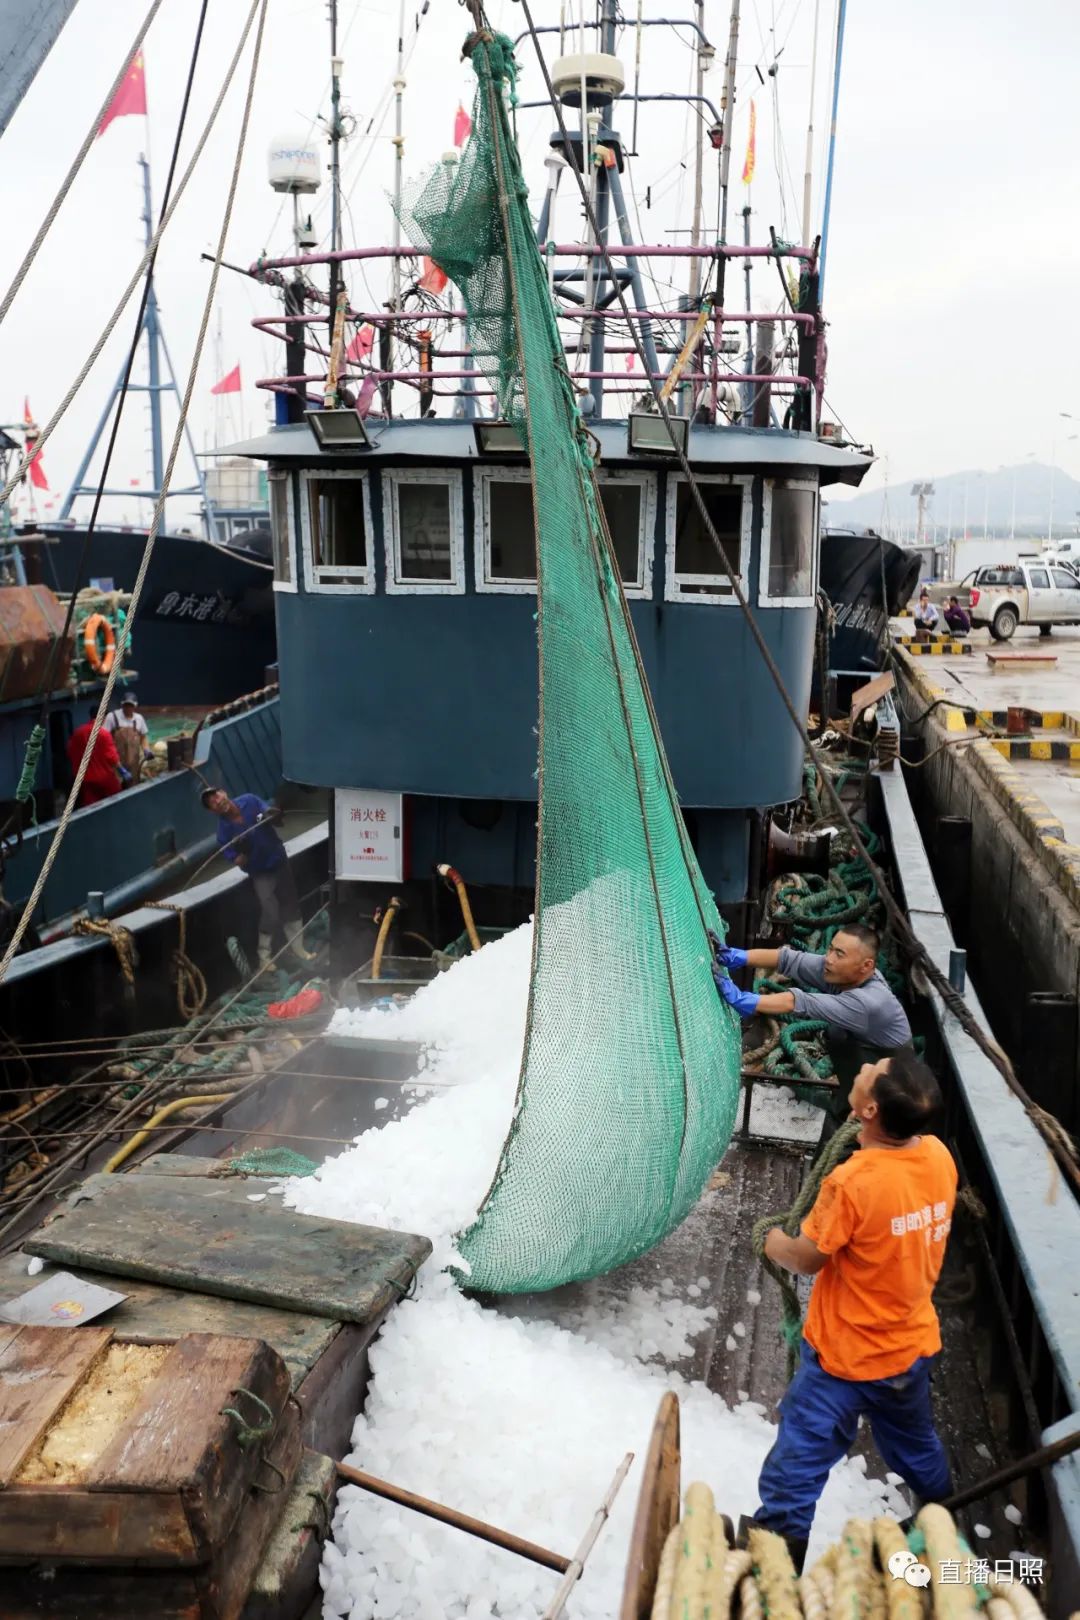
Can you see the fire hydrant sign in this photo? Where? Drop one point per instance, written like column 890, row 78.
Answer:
column 368, row 834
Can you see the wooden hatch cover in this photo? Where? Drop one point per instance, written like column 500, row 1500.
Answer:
column 219, row 1237
column 117, row 1453
column 657, row 1511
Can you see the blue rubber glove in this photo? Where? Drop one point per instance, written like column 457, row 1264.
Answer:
column 744, row 1001
column 125, row 774
column 731, row 956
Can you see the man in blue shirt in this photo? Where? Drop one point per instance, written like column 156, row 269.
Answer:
column 246, row 834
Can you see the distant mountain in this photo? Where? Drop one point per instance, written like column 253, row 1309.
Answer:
column 990, row 498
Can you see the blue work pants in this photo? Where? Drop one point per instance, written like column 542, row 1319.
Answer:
column 819, row 1418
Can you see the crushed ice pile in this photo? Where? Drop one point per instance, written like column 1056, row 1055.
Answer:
column 514, row 1419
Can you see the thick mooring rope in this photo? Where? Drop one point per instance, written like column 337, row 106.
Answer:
column 832, row 1155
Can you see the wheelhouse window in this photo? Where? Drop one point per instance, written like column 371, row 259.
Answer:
column 789, row 541
column 507, row 534
column 425, row 532
column 337, row 532
column 694, row 567
column 281, row 529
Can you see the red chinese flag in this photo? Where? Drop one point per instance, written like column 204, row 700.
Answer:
column 131, row 96
column 362, row 344
column 229, row 384
column 462, row 126
column 36, row 470
column 433, row 279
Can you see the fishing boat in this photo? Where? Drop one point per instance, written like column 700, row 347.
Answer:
column 409, row 569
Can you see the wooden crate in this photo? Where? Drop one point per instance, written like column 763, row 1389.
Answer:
column 167, row 1483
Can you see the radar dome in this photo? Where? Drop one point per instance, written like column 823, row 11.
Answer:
column 295, row 165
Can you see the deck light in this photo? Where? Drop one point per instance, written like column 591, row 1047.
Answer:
column 651, row 434
column 339, row 430
column 498, row 439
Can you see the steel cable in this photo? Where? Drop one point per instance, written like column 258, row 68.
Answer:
column 107, row 331
column 174, row 451
column 91, row 136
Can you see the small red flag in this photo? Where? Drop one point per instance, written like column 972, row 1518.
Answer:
column 362, row 343
column 34, row 467
column 462, row 126
column 630, row 362
column 229, row 384
column 433, row 279
column 131, row 96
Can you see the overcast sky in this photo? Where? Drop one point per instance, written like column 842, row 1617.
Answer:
column 953, row 252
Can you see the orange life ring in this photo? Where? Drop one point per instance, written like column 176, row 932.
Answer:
column 100, row 660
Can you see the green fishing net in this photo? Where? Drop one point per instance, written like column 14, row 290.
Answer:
column 630, row 1072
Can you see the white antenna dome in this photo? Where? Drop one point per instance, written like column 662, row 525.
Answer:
column 294, row 164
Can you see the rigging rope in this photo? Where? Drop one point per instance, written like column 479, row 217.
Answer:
column 107, row 331
column 60, row 642
column 66, row 184
column 1052, row 1132
column 159, row 507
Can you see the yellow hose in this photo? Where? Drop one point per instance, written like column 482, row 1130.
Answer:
column 454, row 878
column 177, row 1106
column 392, row 909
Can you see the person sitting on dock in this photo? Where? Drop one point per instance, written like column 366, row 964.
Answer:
column 127, row 728
column 247, row 835
column 926, row 614
column 956, row 617
column 874, row 1241
column 844, row 989
column 105, row 774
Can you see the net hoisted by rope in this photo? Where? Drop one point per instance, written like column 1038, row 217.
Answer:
column 630, row 1072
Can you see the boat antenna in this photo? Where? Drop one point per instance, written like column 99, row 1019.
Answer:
column 841, row 15
column 808, row 168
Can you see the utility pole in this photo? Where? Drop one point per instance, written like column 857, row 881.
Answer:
column 727, row 113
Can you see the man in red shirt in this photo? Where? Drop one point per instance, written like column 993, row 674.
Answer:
column 875, row 1242
column 104, row 774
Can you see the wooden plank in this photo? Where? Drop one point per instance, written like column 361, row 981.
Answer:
column 657, row 1511
column 181, row 1438
column 66, row 1522
column 156, row 1314
column 206, row 1234
column 39, row 1368
column 868, row 695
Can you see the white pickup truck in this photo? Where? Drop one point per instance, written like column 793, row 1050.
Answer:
column 1041, row 592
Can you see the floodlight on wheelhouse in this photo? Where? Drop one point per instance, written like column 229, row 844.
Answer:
column 339, row 430
column 652, row 434
column 498, row 439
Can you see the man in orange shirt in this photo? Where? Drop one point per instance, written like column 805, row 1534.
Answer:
column 875, row 1241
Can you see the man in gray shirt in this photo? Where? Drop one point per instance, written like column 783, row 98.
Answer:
column 843, row 988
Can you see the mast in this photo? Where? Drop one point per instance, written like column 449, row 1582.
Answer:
column 727, row 113
column 399, row 150
column 152, row 328
column 699, row 154
column 841, row 15
column 335, row 162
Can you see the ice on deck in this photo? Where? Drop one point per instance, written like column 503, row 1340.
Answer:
column 502, row 1413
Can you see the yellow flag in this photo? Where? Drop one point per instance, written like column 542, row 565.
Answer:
column 751, row 147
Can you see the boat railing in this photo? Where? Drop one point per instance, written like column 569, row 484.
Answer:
column 792, row 365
